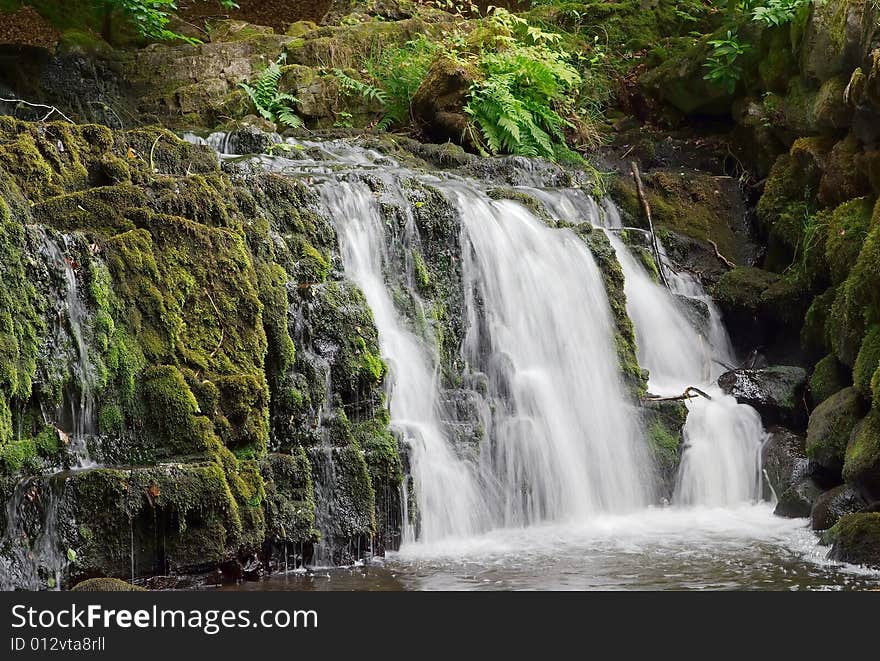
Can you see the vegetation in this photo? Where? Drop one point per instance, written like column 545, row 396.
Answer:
column 724, row 63
column 274, row 105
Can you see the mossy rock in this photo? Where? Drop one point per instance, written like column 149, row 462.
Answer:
column 846, row 233
column 172, row 517
column 830, row 427
column 845, row 175
column 290, row 498
column 828, row 377
column 855, row 538
column 625, row 338
column 867, row 362
column 664, row 424
column 106, row 585
column 861, row 466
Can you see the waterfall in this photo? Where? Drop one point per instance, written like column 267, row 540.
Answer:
column 721, row 461
column 560, row 439
column 561, row 444
column 446, row 487
column 32, row 556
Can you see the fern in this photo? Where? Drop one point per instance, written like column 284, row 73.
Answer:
column 519, row 104
column 272, row 104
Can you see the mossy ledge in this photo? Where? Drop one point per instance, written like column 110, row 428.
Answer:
column 193, row 280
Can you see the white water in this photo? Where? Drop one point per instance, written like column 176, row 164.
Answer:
column 721, row 461
column 562, row 444
column 446, row 487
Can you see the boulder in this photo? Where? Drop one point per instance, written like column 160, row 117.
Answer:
column 856, row 539
column 777, row 393
column 833, row 504
column 791, row 477
column 834, row 40
column 438, row 105
column 783, row 459
column 830, row 427
column 797, row 501
column 861, row 466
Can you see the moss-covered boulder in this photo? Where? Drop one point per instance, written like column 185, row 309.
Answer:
column 834, row 38
column 828, row 377
column 664, row 423
column 847, row 228
column 861, row 466
column 867, row 362
column 438, row 105
column 855, row 538
column 830, row 427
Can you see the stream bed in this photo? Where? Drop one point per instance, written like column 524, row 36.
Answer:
column 657, row 549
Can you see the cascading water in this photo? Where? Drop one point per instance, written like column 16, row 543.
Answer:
column 561, row 444
column 447, row 493
column 32, row 557
column 721, row 461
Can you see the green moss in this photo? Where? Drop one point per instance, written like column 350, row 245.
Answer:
column 743, row 288
column 856, row 539
column 830, row 427
column 867, row 361
column 106, row 585
column 847, row 230
column 174, row 412
column 290, row 498
column 813, row 334
column 862, row 465
column 625, row 337
column 828, row 377
column 18, row 456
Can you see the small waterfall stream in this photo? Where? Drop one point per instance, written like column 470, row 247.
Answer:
column 32, row 556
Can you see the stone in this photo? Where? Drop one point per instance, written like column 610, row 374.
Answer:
column 438, row 104
column 830, row 427
column 783, row 459
column 856, row 539
column 777, row 393
column 834, row 504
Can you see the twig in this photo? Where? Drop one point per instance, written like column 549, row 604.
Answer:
column 690, row 393
column 153, row 149
column 219, row 321
column 719, row 255
column 647, row 209
column 51, row 109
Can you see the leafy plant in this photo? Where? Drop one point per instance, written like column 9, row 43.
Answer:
column 526, row 86
column 272, row 104
column 723, row 64
column 151, row 17
column 778, row 12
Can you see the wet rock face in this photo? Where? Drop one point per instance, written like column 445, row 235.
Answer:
column 775, row 392
column 834, row 504
column 789, row 474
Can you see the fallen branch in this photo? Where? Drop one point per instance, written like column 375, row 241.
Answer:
column 690, row 393
column 719, row 255
column 52, row 109
column 647, row 209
